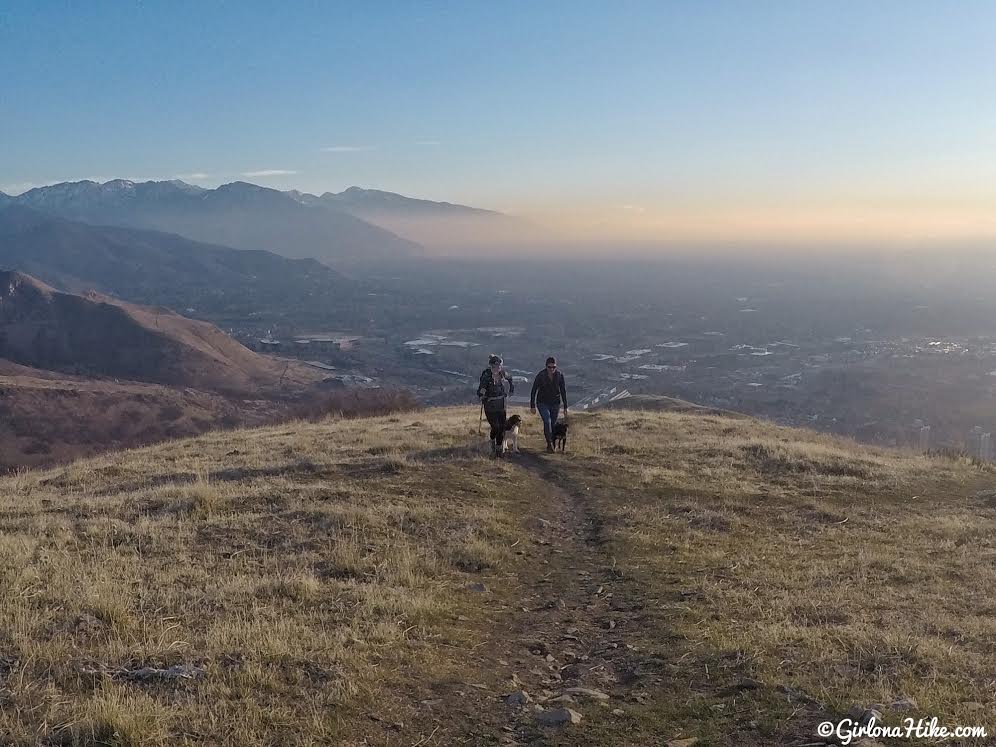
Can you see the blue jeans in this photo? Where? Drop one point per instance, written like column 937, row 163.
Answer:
column 549, row 413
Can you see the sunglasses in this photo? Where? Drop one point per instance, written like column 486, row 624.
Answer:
column 551, row 367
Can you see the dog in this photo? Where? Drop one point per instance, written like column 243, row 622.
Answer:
column 511, row 442
column 560, row 435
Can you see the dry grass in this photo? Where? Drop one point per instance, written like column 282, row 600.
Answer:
column 855, row 575
column 286, row 564
column 307, row 574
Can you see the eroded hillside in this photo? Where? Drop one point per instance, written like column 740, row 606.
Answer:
column 80, row 374
column 673, row 577
column 97, row 335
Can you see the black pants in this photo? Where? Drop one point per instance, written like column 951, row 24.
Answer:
column 496, row 419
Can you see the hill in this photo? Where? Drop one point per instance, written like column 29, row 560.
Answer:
column 240, row 215
column 673, row 579
column 47, row 417
column 96, row 335
column 434, row 224
column 80, row 374
column 154, row 267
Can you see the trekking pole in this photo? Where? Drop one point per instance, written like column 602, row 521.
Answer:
column 480, row 423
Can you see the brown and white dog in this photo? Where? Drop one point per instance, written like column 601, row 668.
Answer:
column 511, row 442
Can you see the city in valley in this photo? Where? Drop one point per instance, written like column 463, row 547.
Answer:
column 892, row 367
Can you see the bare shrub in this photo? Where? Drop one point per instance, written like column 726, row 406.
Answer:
column 355, row 403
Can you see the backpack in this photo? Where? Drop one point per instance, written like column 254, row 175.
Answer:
column 494, row 392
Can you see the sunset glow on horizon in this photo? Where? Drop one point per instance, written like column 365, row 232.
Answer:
column 831, row 124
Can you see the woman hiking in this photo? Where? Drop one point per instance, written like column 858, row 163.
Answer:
column 495, row 386
column 548, row 391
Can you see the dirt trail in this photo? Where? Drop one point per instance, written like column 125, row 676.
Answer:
column 565, row 632
column 562, row 620
column 588, row 620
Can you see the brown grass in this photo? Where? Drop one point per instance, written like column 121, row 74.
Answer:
column 50, row 420
column 288, row 564
column 854, row 575
column 316, row 580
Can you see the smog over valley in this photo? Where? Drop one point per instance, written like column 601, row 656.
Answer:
column 559, row 374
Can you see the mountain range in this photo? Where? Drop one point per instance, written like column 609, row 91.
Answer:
column 155, row 267
column 240, row 215
column 356, row 224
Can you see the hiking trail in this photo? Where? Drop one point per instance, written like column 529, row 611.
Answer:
column 559, row 635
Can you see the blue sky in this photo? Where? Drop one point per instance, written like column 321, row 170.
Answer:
column 649, row 119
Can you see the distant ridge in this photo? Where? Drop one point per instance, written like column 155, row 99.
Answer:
column 13, row 283
column 239, row 214
column 433, row 224
column 153, row 267
column 354, row 224
column 357, row 198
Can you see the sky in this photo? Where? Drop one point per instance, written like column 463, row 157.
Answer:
column 795, row 121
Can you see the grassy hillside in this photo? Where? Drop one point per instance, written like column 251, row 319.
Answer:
column 48, row 418
column 80, row 374
column 380, row 582
column 96, row 335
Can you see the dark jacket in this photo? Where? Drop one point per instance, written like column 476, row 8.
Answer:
column 492, row 391
column 549, row 391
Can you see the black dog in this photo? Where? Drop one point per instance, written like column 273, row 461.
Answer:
column 560, row 435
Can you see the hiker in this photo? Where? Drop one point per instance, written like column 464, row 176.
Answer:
column 495, row 386
column 549, row 390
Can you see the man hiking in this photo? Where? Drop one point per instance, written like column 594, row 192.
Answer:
column 549, row 390
column 495, row 386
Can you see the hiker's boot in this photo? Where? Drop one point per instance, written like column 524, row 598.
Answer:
column 549, row 447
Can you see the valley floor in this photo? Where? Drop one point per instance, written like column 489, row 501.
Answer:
column 675, row 578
